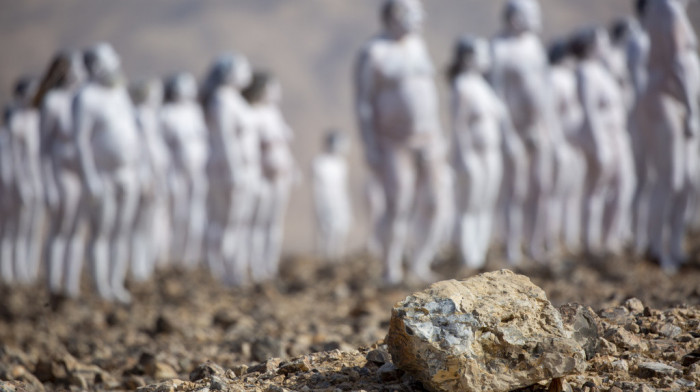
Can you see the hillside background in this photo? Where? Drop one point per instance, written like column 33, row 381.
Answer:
column 309, row 44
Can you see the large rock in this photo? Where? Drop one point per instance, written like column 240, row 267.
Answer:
column 493, row 332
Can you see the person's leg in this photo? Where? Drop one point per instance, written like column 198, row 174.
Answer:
column 127, row 194
column 103, row 216
column 398, row 181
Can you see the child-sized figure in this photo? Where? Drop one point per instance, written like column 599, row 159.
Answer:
column 108, row 147
column 331, row 197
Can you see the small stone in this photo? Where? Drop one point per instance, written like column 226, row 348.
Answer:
column 163, row 371
column 389, row 372
column 644, row 388
column 620, row 366
column 691, row 358
column 618, row 315
column 265, row 348
column 656, row 369
column 240, row 370
column 494, row 332
column 670, row 331
column 624, row 339
column 265, row 367
column 378, row 357
column 300, row 365
column 683, row 383
column 584, row 324
column 634, row 305
column 205, row 370
column 133, row 382
column 216, row 383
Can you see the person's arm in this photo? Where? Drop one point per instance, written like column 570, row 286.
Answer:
column 683, row 74
column 460, row 128
column 84, row 123
column 228, row 125
column 47, row 126
column 364, row 110
column 591, row 116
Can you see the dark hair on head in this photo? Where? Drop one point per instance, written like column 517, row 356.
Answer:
column 170, row 88
column 619, row 30
column 583, row 42
column 558, row 50
column 332, row 138
column 55, row 75
column 641, row 6
column 465, row 48
column 24, row 87
column 387, row 10
column 255, row 91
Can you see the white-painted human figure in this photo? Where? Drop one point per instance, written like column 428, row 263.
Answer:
column 668, row 121
column 569, row 112
column 278, row 170
column 520, row 76
column 108, row 149
column 331, row 197
column 231, row 172
column 25, row 140
column 65, row 250
column 604, row 117
column 8, row 200
column 397, row 111
column 184, row 131
column 150, row 239
column 479, row 121
column 619, row 212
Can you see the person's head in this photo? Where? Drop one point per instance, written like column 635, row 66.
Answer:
column 334, row 142
column 65, row 70
column 229, row 69
column 585, row 44
column 180, row 87
column 640, row 7
column 559, row 51
column 263, row 88
column 620, row 30
column 146, row 92
column 402, row 17
column 471, row 54
column 24, row 89
column 103, row 64
column 522, row 16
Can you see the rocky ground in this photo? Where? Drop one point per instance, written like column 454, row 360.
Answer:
column 321, row 327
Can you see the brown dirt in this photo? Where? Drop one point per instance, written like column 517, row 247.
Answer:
column 320, row 322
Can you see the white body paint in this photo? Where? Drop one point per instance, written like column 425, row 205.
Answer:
column 108, row 147
column 185, row 133
column 520, row 78
column 668, row 119
column 397, row 110
column 151, row 238
column 478, row 120
column 231, row 171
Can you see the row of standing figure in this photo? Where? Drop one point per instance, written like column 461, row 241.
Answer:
column 592, row 146
column 156, row 175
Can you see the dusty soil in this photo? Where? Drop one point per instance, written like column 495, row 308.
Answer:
column 320, row 327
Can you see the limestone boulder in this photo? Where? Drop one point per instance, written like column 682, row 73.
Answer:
column 493, row 332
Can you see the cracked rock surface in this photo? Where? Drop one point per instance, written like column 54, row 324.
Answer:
column 493, row 332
